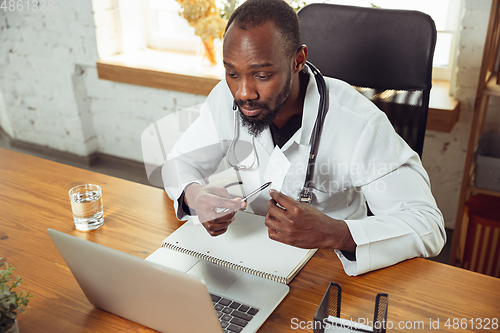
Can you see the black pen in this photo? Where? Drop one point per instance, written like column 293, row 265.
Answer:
column 254, row 192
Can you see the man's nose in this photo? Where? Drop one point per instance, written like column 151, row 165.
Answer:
column 246, row 90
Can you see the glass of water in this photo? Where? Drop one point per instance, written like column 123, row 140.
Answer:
column 86, row 204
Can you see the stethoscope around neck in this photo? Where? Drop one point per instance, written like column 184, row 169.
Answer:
column 305, row 194
column 239, row 166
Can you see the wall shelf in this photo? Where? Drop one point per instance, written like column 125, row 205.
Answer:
column 487, row 86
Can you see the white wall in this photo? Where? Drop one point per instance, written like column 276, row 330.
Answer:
column 50, row 94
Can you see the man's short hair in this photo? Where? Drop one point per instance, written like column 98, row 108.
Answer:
column 254, row 13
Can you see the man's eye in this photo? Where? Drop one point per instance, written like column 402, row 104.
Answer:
column 232, row 75
column 263, row 76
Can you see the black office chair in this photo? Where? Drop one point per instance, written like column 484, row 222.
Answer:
column 386, row 54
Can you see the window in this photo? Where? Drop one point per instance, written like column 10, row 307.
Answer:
column 147, row 26
column 167, row 30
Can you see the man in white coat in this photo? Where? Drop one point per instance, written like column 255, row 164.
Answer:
column 360, row 157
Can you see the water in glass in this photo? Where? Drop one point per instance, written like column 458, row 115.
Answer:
column 87, row 209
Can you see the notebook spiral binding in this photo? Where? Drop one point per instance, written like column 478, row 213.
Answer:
column 224, row 263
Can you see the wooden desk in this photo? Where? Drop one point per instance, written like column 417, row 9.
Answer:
column 34, row 197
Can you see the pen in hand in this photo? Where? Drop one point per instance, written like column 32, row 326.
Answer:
column 251, row 194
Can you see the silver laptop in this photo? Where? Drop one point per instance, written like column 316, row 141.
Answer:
column 169, row 291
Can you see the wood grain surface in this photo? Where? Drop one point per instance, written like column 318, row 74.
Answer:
column 34, row 197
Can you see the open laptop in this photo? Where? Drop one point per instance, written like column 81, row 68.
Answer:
column 169, row 291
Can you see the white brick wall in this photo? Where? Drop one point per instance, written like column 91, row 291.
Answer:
column 121, row 112
column 38, row 53
column 50, row 94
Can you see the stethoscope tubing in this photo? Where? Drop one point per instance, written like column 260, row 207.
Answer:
column 237, row 167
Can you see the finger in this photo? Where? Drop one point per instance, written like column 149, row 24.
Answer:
column 216, row 229
column 224, row 217
column 271, row 222
column 276, row 235
column 212, row 227
column 214, row 196
column 218, row 232
column 209, row 211
column 223, row 203
column 274, row 210
column 219, row 191
column 243, row 203
column 273, row 233
column 213, row 217
column 283, row 200
column 276, row 228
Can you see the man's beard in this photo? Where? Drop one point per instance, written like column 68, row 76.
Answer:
column 254, row 125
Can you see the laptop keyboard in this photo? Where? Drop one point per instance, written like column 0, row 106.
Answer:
column 233, row 316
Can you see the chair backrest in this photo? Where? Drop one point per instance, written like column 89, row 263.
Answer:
column 386, row 54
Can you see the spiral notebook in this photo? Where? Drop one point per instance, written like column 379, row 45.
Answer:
column 245, row 246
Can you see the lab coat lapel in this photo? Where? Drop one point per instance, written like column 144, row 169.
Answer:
column 266, row 141
column 296, row 149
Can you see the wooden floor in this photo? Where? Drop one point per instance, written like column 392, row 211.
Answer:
column 129, row 170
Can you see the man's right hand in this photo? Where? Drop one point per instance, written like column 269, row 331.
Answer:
column 208, row 202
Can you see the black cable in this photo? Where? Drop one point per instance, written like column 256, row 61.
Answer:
column 318, row 125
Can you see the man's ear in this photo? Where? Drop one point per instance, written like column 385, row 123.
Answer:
column 300, row 59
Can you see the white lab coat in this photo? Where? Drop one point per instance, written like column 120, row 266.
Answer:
column 360, row 156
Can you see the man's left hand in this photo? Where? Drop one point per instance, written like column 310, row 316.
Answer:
column 302, row 225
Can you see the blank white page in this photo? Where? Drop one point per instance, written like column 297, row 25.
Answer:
column 245, row 246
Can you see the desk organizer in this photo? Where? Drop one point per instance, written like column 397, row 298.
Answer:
column 330, row 307
column 487, row 173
